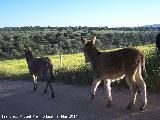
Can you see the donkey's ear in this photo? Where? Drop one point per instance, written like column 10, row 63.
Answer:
column 84, row 41
column 29, row 48
column 94, row 39
column 25, row 49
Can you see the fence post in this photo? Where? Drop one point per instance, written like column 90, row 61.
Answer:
column 60, row 50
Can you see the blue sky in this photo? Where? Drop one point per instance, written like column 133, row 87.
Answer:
column 111, row 13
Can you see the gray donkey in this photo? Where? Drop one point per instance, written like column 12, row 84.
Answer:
column 40, row 67
column 114, row 65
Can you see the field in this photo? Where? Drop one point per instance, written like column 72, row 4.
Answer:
column 13, row 69
column 75, row 71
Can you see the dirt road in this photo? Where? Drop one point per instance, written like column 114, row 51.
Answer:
column 18, row 101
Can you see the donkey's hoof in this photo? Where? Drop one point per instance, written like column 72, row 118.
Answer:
column 109, row 104
column 130, row 105
column 34, row 89
column 92, row 96
column 143, row 107
column 45, row 91
column 52, row 95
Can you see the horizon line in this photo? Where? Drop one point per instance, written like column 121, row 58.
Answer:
column 80, row 26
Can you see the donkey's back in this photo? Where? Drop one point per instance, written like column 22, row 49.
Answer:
column 115, row 64
column 40, row 66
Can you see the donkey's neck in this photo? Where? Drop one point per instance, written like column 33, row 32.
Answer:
column 29, row 59
column 93, row 55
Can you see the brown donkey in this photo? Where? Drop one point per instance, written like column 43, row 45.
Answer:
column 40, row 67
column 110, row 66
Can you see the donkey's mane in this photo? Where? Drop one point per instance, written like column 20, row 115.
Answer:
column 92, row 52
column 29, row 55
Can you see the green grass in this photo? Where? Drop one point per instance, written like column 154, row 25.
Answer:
column 15, row 69
column 12, row 69
column 75, row 71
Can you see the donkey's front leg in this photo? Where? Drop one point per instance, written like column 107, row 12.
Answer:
column 95, row 84
column 34, row 77
column 107, row 89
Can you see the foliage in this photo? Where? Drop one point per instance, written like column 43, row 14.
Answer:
column 80, row 75
column 45, row 40
column 153, row 71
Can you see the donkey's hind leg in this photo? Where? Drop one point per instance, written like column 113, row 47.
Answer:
column 107, row 89
column 95, row 84
column 134, row 88
column 51, row 89
column 48, row 82
column 142, row 87
column 45, row 79
column 45, row 90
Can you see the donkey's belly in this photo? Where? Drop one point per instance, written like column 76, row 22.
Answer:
column 116, row 76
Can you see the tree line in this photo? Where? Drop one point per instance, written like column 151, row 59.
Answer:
column 45, row 40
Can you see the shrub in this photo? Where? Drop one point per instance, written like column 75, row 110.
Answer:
column 80, row 75
column 153, row 71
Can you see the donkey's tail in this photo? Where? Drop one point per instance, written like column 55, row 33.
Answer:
column 51, row 72
column 50, row 65
column 144, row 73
